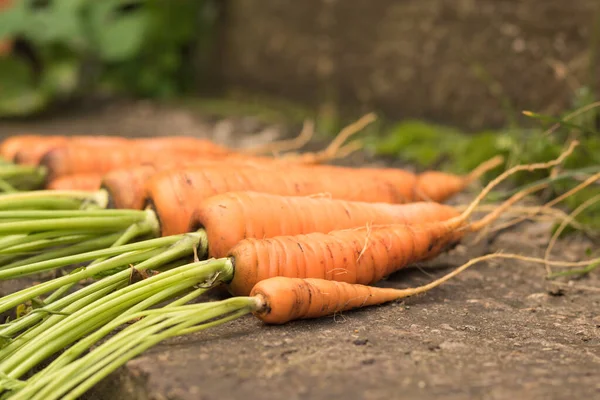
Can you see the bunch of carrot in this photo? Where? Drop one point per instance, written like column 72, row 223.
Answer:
column 79, row 162
column 264, row 233
column 171, row 198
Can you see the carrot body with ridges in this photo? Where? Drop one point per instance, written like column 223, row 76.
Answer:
column 287, row 299
column 233, row 216
column 127, row 187
column 87, row 159
column 362, row 255
column 173, row 193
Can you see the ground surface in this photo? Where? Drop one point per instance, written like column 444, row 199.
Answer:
column 497, row 331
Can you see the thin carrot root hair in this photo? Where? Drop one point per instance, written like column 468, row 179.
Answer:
column 491, row 217
column 367, row 238
column 485, row 167
column 336, row 148
column 530, row 213
column 591, row 201
column 348, row 131
column 475, row 226
column 545, row 208
column 306, row 134
column 278, row 300
column 425, row 288
column 347, row 149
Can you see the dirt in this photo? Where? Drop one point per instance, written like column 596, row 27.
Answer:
column 497, row 331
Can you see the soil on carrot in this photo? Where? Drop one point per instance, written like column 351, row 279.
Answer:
column 497, row 331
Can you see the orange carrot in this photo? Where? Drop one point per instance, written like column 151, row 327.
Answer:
column 362, row 255
column 30, row 149
column 12, row 145
column 33, row 147
column 233, row 216
column 32, row 152
column 282, row 299
column 89, row 182
column 174, row 194
column 73, row 159
column 127, row 187
column 30, row 145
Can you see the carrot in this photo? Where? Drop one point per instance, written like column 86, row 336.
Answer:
column 33, row 151
column 363, row 255
column 12, row 145
column 279, row 300
column 233, row 216
column 88, row 181
column 279, row 308
column 173, row 193
column 44, row 143
column 29, row 149
column 127, row 185
column 282, row 299
column 276, row 300
column 75, row 158
column 126, row 188
column 72, row 159
column 225, row 220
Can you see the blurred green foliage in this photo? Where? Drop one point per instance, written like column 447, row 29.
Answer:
column 433, row 146
column 78, row 46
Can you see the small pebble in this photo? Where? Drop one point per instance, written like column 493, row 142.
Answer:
column 446, row 327
column 275, row 343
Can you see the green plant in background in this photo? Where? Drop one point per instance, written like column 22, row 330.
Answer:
column 432, row 146
column 78, row 46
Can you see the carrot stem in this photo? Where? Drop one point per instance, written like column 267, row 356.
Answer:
column 156, row 326
column 80, row 242
column 42, row 203
column 67, row 304
column 151, row 259
column 55, row 214
column 149, row 226
column 63, row 224
column 57, row 294
column 7, row 187
column 14, row 170
column 98, row 313
column 23, row 177
column 93, row 243
column 131, row 250
column 72, row 198
column 152, row 340
column 37, row 244
column 11, row 241
column 80, row 347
